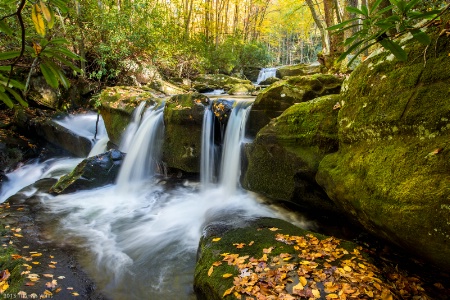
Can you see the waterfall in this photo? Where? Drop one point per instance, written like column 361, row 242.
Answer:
column 144, row 150
column 266, row 73
column 131, row 129
column 231, row 155
column 207, row 162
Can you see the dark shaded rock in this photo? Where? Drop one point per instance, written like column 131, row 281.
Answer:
column 391, row 170
column 183, row 119
column 14, row 148
column 251, row 73
column 284, row 157
column 272, row 101
column 93, row 172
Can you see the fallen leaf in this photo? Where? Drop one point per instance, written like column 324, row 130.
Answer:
column 274, row 229
column 52, row 266
column 75, row 294
column 227, row 275
column 216, row 239
column 228, row 292
column 217, row 263
column 48, row 275
column 210, row 270
column 4, row 275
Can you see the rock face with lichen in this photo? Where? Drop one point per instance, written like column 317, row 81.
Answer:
column 271, row 102
column 283, row 159
column 183, row 118
column 392, row 169
column 92, row 172
column 117, row 105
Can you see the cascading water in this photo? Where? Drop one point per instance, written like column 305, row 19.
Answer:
column 265, row 73
column 141, row 160
column 231, row 156
column 131, row 129
column 207, row 163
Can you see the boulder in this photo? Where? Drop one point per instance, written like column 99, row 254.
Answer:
column 166, row 87
column 14, row 148
column 391, row 170
column 116, row 105
column 241, row 89
column 43, row 94
column 300, row 69
column 251, row 73
column 269, row 258
column 209, row 82
column 269, row 81
column 183, row 119
column 92, row 172
column 283, row 159
column 272, row 101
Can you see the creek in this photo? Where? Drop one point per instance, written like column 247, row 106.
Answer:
column 138, row 238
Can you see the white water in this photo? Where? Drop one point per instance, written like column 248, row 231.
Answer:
column 84, row 125
column 207, row 163
column 265, row 73
column 231, row 155
column 30, row 173
column 141, row 160
column 131, row 129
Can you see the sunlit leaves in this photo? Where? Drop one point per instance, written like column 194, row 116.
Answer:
column 38, row 20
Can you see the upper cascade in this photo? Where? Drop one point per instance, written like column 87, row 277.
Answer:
column 266, row 73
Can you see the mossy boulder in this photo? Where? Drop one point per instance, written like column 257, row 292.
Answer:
column 272, row 101
column 391, row 170
column 117, row 105
column 209, row 82
column 183, row 118
column 241, row 89
column 300, row 69
column 267, row 256
column 166, row 87
column 283, row 159
column 269, row 81
column 92, row 172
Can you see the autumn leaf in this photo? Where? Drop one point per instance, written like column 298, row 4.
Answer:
column 274, row 229
column 228, row 292
column 4, row 275
column 299, row 287
column 210, row 270
column 239, row 246
column 216, row 239
column 227, row 275
column 217, row 263
column 38, row 20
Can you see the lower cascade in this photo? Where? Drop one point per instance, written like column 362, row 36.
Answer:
column 140, row 236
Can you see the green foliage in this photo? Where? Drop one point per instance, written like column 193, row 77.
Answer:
column 29, row 37
column 382, row 25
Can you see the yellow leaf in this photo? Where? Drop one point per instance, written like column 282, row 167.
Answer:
column 3, row 286
column 52, row 266
column 18, row 235
column 227, row 275
column 216, row 239
column 251, row 243
column 75, row 294
column 347, row 269
column 303, row 280
column 35, row 262
column 38, row 20
column 45, row 11
column 316, row 293
column 48, row 293
column 210, row 270
column 227, row 292
column 36, row 254
column 362, row 266
column 299, row 286
column 273, row 229
column 332, row 296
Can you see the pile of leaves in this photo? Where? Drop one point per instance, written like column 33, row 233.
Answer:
column 309, row 268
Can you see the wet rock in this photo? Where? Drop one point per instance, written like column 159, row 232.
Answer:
column 391, row 170
column 117, row 105
column 272, row 101
column 283, row 159
column 91, row 173
column 183, row 119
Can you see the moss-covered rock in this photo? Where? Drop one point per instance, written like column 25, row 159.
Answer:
column 272, row 257
column 117, row 105
column 269, row 81
column 183, row 118
column 210, row 82
column 300, row 69
column 284, row 157
column 241, row 89
column 92, row 172
column 391, row 171
column 272, row 101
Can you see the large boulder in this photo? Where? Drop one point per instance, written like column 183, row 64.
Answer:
column 241, row 89
column 275, row 99
column 300, row 69
column 269, row 258
column 183, row 119
column 92, row 172
column 209, row 82
column 116, row 105
column 392, row 169
column 284, row 158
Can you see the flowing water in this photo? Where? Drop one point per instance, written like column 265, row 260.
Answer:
column 265, row 73
column 138, row 239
